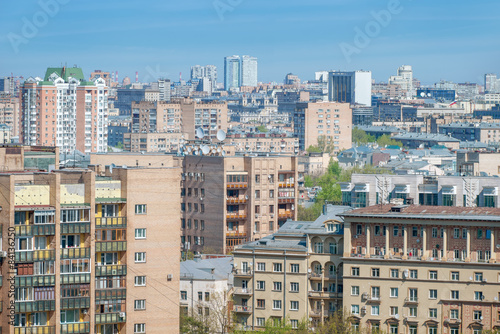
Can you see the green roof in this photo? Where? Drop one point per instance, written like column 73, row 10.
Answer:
column 65, row 73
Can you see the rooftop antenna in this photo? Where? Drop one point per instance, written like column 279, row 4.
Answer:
column 199, row 133
column 221, row 135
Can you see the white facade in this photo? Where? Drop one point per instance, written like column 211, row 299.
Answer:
column 248, row 71
column 164, row 88
column 491, row 83
column 404, row 79
column 350, row 87
column 232, row 70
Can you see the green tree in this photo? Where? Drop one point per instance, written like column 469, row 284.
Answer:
column 262, row 128
column 314, row 149
column 119, row 145
column 361, row 137
column 385, row 140
column 308, row 181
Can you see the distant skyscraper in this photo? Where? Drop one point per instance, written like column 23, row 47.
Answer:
column 197, row 72
column 232, row 70
column 211, row 72
column 164, row 88
column 350, row 87
column 491, row 83
column 404, row 79
column 248, row 71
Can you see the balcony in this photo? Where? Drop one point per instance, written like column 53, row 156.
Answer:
column 111, row 222
column 44, row 229
column 237, row 185
column 110, row 318
column 75, row 278
column 286, row 200
column 75, row 302
column 23, row 256
column 236, row 200
column 110, row 246
column 44, row 255
column 24, row 230
column 111, row 270
column 110, row 294
column 75, row 253
column 243, row 273
column 29, row 281
column 242, row 309
column 286, row 184
column 236, row 215
column 285, row 214
column 314, row 276
column 242, row 291
column 76, row 328
column 35, row 330
column 35, row 306
column 236, row 234
column 75, row 228
column 411, row 300
column 317, row 313
column 323, row 294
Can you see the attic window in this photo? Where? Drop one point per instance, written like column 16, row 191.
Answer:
column 330, row 227
column 299, row 226
column 398, row 208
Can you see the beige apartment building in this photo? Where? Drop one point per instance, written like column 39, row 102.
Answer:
column 153, row 141
column 84, row 251
column 295, row 274
column 9, row 114
column 287, row 145
column 422, row 269
column 327, row 122
column 227, row 201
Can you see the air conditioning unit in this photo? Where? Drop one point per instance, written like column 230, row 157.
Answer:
column 396, row 316
column 485, row 280
column 272, row 215
column 169, row 277
column 459, row 321
column 113, row 272
column 122, row 315
column 3, row 254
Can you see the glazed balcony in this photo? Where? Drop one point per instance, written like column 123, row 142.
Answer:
column 36, row 280
column 75, row 278
column 110, row 318
column 110, row 294
column 110, row 246
column 111, row 270
column 35, row 306
column 75, row 328
column 75, row 228
column 285, row 214
column 111, row 222
column 242, row 309
column 35, row 330
column 236, row 215
column 75, row 253
column 75, row 302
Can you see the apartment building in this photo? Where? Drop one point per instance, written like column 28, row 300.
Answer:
column 65, row 110
column 422, row 269
column 153, row 141
column 227, row 201
column 367, row 190
column 263, row 143
column 293, row 275
column 88, row 251
column 478, row 163
column 9, row 114
column 327, row 122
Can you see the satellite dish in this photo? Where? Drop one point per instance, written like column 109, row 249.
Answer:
column 195, row 152
column 205, row 149
column 429, row 94
column 189, row 149
column 223, row 153
column 219, row 150
column 111, row 168
column 422, row 94
column 221, row 135
column 199, row 133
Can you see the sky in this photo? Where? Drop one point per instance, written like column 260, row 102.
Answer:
column 443, row 40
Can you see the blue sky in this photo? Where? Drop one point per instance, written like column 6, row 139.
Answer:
column 452, row 40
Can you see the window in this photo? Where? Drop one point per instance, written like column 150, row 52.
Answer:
column 294, row 305
column 70, row 316
column 433, row 294
column 318, row 247
column 261, row 266
column 394, row 310
column 294, row 287
column 478, row 295
column 184, row 295
column 395, row 231
column 277, row 267
column 139, row 328
column 394, row 329
column 140, row 304
column 433, row 330
column 479, row 233
column 140, row 280
column 456, row 233
column 375, row 292
column 413, row 273
column 433, row 274
column 261, row 303
column 276, row 286
column 394, row 292
column 261, row 322
column 140, row 257
column 477, row 315
column 413, row 311
column 359, row 229
column 140, row 209
column 455, row 294
column 277, row 304
column 294, row 268
column 464, row 233
column 478, row 277
column 453, row 314
column 200, row 296
column 271, row 195
column 294, row 323
column 355, row 271
column 455, row 276
column 140, row 233
column 375, row 272
column 434, row 232
column 257, row 194
column 202, row 225
column 354, row 290
column 413, row 295
column 355, row 309
column 375, row 310
column 394, row 273
column 412, row 329
column 433, row 313
column 414, row 231
column 261, row 285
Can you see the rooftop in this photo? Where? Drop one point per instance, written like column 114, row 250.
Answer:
column 208, row 269
column 424, row 136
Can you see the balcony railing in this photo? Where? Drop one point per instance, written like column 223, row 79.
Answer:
column 35, row 330
column 76, row 328
column 236, row 185
column 110, row 246
column 44, row 229
column 75, row 253
column 242, row 309
column 75, row 302
column 236, row 215
column 323, row 294
column 35, row 306
column 236, row 200
column 236, row 234
column 286, row 184
column 111, row 270
column 109, row 294
column 75, row 228
column 44, row 255
column 317, row 313
column 243, row 273
column 110, row 318
column 111, row 222
column 242, row 291
column 284, row 200
column 285, row 214
column 411, row 300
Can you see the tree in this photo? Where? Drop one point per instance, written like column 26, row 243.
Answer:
column 308, row 181
column 262, row 128
column 313, row 149
column 214, row 317
column 385, row 140
column 361, row 137
column 119, row 145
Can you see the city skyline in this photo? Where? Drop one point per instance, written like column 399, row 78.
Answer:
column 436, row 39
